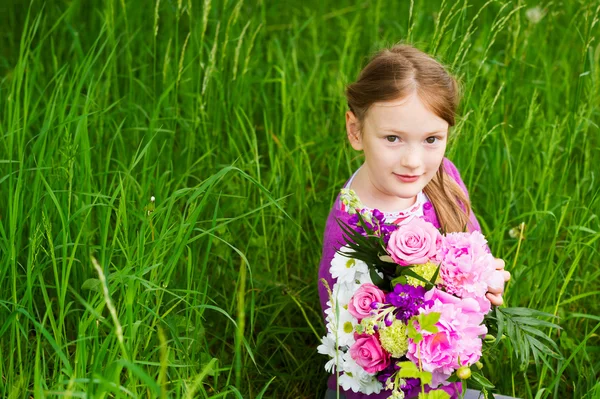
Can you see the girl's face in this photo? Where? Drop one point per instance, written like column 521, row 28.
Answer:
column 404, row 145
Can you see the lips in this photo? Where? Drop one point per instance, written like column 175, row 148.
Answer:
column 407, row 178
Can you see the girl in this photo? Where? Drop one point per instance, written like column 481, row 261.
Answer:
column 401, row 109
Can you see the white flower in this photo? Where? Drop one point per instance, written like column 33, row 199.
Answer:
column 362, row 278
column 350, row 366
column 343, row 325
column 356, row 378
column 350, row 199
column 342, row 293
column 348, row 381
column 398, row 394
column 344, row 269
column 353, row 374
column 370, row 385
column 328, row 347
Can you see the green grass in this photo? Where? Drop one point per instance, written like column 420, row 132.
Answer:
column 230, row 113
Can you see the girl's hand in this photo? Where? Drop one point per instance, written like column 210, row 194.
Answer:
column 494, row 294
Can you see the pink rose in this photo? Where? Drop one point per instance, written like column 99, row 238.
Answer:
column 414, row 243
column 368, row 354
column 360, row 303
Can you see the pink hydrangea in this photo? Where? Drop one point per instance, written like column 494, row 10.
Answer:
column 459, row 335
column 467, row 266
column 413, row 243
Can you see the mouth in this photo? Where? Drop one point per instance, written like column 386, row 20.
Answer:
column 407, row 178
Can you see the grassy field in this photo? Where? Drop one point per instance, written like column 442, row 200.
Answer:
column 230, row 114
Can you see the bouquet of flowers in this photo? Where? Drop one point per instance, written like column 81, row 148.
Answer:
column 408, row 311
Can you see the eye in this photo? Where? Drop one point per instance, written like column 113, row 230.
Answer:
column 392, row 139
column 431, row 140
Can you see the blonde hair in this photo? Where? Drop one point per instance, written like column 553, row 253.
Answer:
column 395, row 73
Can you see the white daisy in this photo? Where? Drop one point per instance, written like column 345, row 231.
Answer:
column 350, row 366
column 328, row 348
column 343, row 325
column 370, row 385
column 353, row 374
column 342, row 293
column 344, row 268
column 356, row 378
column 349, row 381
column 362, row 278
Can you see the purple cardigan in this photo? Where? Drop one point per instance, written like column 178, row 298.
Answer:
column 331, row 244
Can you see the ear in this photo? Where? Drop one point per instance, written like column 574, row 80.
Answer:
column 353, row 131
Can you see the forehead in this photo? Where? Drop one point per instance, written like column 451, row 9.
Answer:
column 408, row 114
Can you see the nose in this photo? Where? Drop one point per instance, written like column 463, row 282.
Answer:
column 410, row 159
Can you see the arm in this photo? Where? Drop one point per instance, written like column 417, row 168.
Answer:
column 333, row 239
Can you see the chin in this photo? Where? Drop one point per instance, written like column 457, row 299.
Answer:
column 406, row 194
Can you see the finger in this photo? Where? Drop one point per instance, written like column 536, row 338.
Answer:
column 500, row 264
column 495, row 300
column 496, row 290
column 506, row 275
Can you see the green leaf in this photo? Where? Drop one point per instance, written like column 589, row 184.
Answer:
column 398, row 280
column 435, row 275
column 377, row 280
column 522, row 327
column 386, row 258
column 425, row 377
column 412, row 331
column 428, row 321
column 406, row 271
column 482, row 382
column 410, row 370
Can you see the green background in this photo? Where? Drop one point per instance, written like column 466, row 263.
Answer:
column 231, row 114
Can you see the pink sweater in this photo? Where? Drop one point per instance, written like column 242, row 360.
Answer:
column 333, row 240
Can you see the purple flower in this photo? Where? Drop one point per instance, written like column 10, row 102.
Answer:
column 407, row 300
column 411, row 388
column 353, row 220
column 386, row 231
column 388, row 372
column 377, row 214
column 378, row 225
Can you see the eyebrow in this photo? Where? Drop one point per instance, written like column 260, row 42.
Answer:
column 425, row 134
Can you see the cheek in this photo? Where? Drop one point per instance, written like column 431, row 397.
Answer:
column 435, row 157
column 382, row 157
